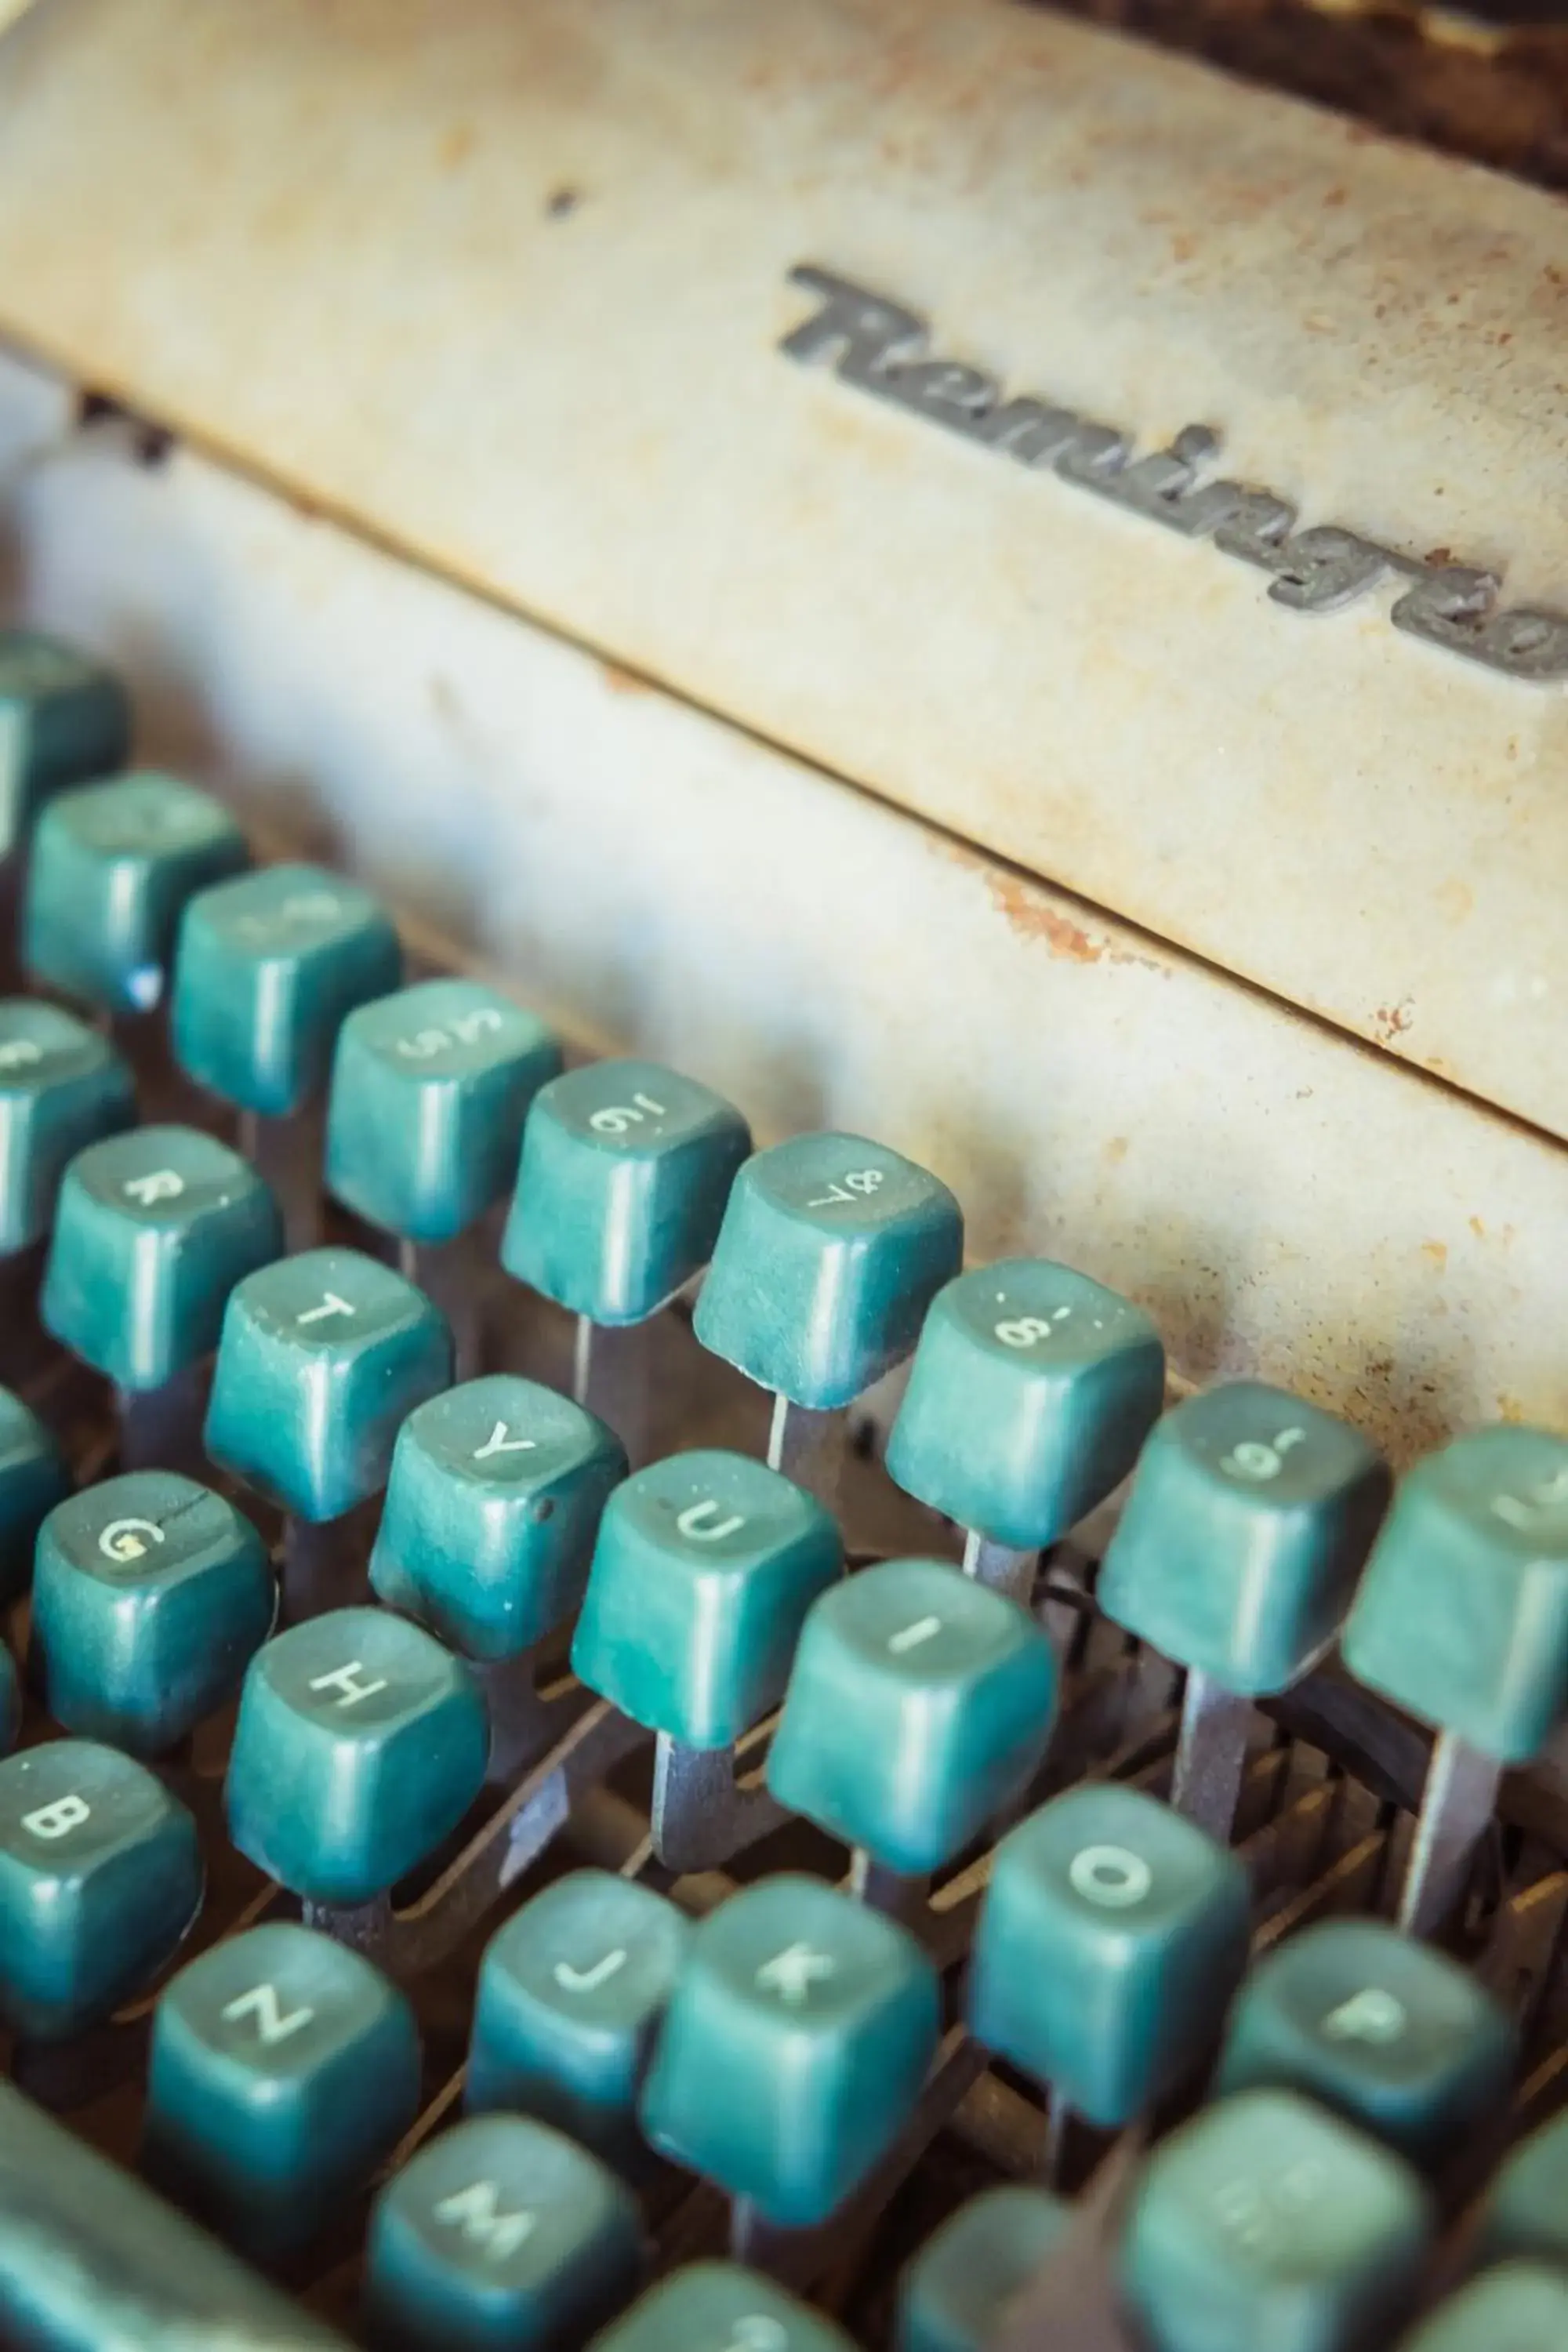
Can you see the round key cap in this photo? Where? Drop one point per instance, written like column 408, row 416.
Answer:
column 101, row 1876
column 720, row 2307
column 361, row 1743
column 625, row 1172
column 33, row 1479
column 570, row 1995
column 1462, row 1616
column 705, row 1567
column 1264, row 2221
column 63, row 717
column 1524, row 2307
column 149, row 1597
column 953, row 2296
column 266, row 969
column 284, row 2069
column 111, row 868
column 62, row 1086
column 1031, row 1392
column 830, row 1252
column 499, row 2236
column 793, row 2049
column 491, row 1510
column 1402, row 2042
column 1250, row 1517
column 428, row 1094
column 152, row 1232
column 1527, row 2212
column 322, row 1357
column 918, row 1704
column 1112, row 1937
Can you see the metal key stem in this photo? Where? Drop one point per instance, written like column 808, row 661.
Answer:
column 807, row 1446
column 1211, row 1754
column 1457, row 1808
column 1000, row 1567
column 612, row 1377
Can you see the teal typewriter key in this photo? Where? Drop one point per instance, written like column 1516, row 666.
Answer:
column 720, row 2307
column 63, row 717
column 793, row 2050
column 101, row 1878
column 284, row 2069
column 492, row 1508
column 499, row 2236
column 153, row 1230
column 953, row 2296
column 111, row 868
column 267, row 969
column 830, row 1252
column 33, row 1479
column 1527, row 2211
column 705, row 1568
column 62, row 1086
column 10, row 1702
column 625, row 1171
column 320, row 1359
column 1462, row 1619
column 1395, row 2037
column 1110, row 1939
column 571, row 1994
column 430, row 1088
column 1523, row 2307
column 149, row 1597
column 1250, row 1515
column 920, row 1702
column 89, row 2258
column 1266, row 2221
column 360, row 1744
column 1031, row 1390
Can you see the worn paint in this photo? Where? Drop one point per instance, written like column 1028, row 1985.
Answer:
column 336, row 241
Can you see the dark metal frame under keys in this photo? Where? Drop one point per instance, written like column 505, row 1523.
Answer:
column 1328, row 1798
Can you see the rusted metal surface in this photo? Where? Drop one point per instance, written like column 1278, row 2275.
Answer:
column 505, row 286
column 1286, row 1202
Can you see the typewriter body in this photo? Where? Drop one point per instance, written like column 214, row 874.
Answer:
column 954, row 578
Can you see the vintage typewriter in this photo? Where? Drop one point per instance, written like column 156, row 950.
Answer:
column 784, row 1467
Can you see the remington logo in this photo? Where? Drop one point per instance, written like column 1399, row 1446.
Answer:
column 883, row 349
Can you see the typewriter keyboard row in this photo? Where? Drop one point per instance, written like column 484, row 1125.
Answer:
column 536, row 1810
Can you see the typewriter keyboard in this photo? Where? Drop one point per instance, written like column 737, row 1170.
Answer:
column 601, row 1743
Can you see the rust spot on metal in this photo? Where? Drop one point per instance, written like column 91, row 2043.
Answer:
column 1438, row 1254
column 1392, row 1021
column 624, row 681
column 1029, row 916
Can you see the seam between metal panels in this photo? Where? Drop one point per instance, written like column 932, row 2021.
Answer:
column 317, row 507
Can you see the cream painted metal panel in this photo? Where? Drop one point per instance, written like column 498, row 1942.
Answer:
column 506, row 282
column 1286, row 1201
